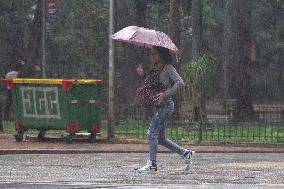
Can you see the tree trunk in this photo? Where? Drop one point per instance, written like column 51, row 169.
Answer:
column 87, row 41
column 237, row 58
column 141, row 12
column 11, row 36
column 175, row 25
column 141, row 20
column 161, row 22
column 197, row 46
column 122, row 63
column 175, row 33
column 197, row 30
column 33, row 55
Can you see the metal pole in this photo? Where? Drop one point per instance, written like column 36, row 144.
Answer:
column 43, row 40
column 111, row 74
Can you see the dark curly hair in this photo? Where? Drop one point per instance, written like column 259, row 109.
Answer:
column 164, row 53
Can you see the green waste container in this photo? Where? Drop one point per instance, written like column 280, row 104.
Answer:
column 57, row 104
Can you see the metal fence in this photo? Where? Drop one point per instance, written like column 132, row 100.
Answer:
column 217, row 126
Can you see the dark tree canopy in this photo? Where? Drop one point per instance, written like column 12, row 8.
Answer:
column 244, row 39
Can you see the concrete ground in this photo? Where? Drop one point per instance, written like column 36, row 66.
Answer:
column 107, row 164
column 116, row 170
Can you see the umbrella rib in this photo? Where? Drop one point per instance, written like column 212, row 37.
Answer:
column 133, row 35
column 157, row 37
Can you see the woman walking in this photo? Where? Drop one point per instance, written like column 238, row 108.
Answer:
column 165, row 81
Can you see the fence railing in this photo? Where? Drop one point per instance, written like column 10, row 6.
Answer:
column 216, row 127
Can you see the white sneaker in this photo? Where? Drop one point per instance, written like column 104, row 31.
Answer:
column 189, row 159
column 148, row 167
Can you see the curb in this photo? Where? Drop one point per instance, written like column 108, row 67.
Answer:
column 103, row 146
column 86, row 151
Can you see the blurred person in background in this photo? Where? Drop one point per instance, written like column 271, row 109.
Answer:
column 12, row 73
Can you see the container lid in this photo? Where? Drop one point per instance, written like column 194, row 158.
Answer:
column 56, row 81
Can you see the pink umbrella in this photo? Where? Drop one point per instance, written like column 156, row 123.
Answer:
column 144, row 37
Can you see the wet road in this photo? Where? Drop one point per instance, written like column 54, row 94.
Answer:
column 235, row 171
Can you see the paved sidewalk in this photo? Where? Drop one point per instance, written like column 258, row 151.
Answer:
column 8, row 145
column 117, row 170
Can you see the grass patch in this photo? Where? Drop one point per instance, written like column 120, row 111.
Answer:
column 9, row 127
column 181, row 131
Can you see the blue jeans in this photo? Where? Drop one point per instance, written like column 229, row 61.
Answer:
column 157, row 129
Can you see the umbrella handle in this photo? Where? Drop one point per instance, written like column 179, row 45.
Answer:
column 177, row 58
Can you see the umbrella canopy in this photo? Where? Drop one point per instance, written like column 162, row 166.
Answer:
column 145, row 37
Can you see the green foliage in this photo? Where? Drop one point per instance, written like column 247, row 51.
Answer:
column 209, row 19
column 15, row 20
column 153, row 17
column 67, row 40
column 78, row 37
column 199, row 73
column 268, row 30
column 268, row 33
column 9, row 127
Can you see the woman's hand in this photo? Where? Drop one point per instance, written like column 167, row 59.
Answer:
column 160, row 98
column 140, row 70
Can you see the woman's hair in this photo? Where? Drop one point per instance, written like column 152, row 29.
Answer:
column 164, row 53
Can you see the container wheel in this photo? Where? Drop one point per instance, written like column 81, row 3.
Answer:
column 69, row 138
column 92, row 137
column 19, row 136
column 41, row 134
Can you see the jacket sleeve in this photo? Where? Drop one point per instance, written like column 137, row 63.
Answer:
column 176, row 79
